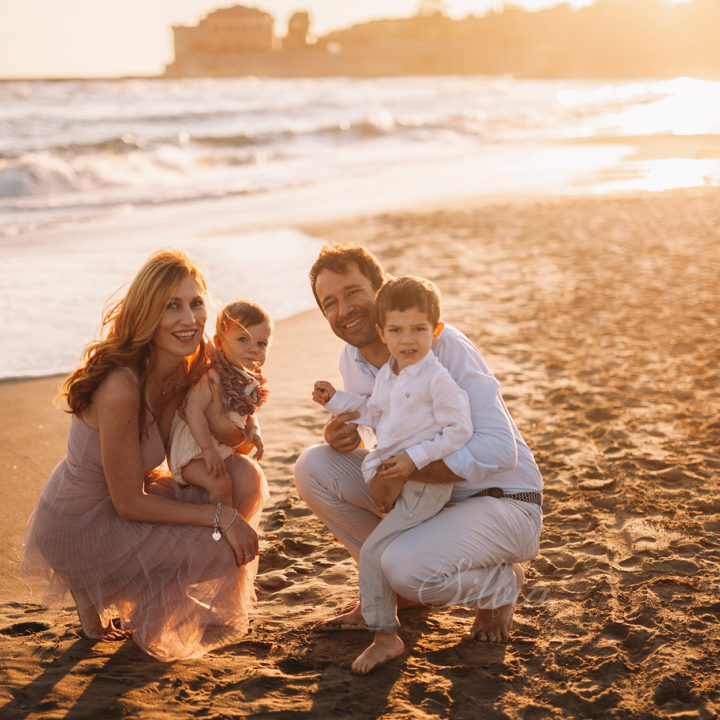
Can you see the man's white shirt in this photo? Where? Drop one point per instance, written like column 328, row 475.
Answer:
column 496, row 455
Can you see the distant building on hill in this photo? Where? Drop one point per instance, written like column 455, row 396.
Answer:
column 228, row 30
column 298, row 29
column 610, row 38
column 239, row 40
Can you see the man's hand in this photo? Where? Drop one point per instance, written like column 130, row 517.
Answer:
column 340, row 433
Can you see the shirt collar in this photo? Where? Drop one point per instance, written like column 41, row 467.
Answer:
column 361, row 360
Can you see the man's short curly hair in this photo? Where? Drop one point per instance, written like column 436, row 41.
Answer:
column 406, row 292
column 338, row 258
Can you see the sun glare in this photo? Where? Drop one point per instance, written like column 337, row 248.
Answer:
column 659, row 175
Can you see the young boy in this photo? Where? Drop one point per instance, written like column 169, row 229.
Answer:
column 419, row 415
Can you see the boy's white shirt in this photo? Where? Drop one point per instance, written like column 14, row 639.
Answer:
column 420, row 410
column 496, row 455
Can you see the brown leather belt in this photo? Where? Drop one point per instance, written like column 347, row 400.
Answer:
column 531, row 497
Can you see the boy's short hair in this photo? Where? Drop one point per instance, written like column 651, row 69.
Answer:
column 338, row 257
column 241, row 313
column 406, row 292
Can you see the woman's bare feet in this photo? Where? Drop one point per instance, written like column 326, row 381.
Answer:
column 94, row 630
column 493, row 625
column 385, row 647
column 92, row 625
column 350, row 620
column 115, row 634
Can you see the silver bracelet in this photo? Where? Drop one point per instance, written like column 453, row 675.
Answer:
column 225, row 529
column 217, row 532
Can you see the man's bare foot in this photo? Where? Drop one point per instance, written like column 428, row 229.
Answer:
column 349, row 606
column 350, row 620
column 405, row 604
column 402, row 604
column 493, row 625
column 385, row 647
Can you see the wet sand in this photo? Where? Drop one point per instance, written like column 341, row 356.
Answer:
column 599, row 316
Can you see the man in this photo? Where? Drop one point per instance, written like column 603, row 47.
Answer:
column 469, row 552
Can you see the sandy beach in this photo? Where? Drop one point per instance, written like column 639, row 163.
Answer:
column 599, row 316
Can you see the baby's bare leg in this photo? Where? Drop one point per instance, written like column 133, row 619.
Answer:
column 219, row 489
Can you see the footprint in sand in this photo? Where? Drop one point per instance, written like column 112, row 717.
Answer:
column 24, row 628
column 272, row 581
column 273, row 559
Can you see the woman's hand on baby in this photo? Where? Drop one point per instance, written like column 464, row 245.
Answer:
column 214, row 464
column 322, row 392
column 243, row 541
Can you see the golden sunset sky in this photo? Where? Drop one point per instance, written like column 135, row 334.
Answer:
column 70, row 38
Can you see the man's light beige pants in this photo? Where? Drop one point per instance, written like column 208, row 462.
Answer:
column 459, row 556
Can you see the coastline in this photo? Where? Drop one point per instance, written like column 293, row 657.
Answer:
column 599, row 317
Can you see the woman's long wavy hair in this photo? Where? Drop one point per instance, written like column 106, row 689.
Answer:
column 128, row 328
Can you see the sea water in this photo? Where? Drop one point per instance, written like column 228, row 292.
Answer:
column 95, row 175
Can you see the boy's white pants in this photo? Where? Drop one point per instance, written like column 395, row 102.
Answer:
column 417, row 503
column 460, row 556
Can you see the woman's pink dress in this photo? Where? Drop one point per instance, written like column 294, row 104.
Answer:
column 173, row 586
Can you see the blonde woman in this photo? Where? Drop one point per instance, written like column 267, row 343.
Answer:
column 125, row 541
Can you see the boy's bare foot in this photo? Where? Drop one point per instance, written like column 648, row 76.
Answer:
column 385, row 647
column 493, row 625
column 350, row 620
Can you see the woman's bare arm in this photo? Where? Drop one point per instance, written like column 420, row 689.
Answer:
column 115, row 406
